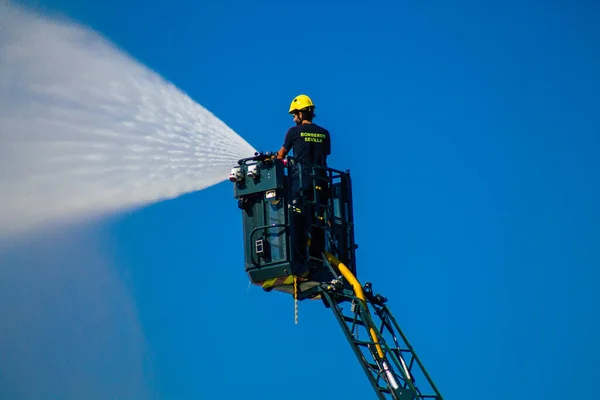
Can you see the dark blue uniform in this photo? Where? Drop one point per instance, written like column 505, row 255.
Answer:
column 311, row 144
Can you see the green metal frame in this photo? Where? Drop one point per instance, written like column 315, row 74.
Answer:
column 412, row 382
column 259, row 218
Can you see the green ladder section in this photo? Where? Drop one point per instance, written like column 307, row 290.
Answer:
column 400, row 375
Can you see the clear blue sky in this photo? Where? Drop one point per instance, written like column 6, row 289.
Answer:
column 472, row 133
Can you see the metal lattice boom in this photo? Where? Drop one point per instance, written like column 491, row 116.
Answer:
column 399, row 375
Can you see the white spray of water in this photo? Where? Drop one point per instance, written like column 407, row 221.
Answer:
column 86, row 130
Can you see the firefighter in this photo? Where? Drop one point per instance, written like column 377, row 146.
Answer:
column 311, row 144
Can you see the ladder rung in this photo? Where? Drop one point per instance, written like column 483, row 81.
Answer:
column 354, row 321
column 374, row 367
column 362, row 343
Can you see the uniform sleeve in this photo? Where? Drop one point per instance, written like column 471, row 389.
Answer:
column 287, row 142
column 328, row 144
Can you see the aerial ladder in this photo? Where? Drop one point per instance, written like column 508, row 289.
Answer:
column 301, row 242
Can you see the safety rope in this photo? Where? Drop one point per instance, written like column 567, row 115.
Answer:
column 296, row 299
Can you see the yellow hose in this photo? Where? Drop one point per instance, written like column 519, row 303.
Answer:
column 346, row 273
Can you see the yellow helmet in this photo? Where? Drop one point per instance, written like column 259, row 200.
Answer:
column 300, row 102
